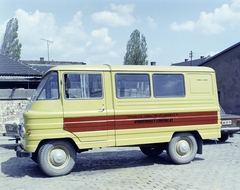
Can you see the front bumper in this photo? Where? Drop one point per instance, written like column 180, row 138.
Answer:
column 229, row 130
column 11, row 134
column 20, row 152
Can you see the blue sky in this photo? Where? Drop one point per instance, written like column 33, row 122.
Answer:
column 97, row 31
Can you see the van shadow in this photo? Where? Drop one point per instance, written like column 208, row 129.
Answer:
column 119, row 160
column 88, row 162
column 8, row 146
column 215, row 142
column 21, row 167
column 18, row 167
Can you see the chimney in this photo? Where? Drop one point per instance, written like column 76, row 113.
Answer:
column 186, row 60
column 153, row 63
column 201, row 57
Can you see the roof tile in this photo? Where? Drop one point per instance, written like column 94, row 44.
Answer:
column 10, row 66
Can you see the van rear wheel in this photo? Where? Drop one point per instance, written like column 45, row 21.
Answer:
column 153, row 151
column 56, row 158
column 182, row 148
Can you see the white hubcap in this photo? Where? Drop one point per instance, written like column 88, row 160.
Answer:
column 58, row 157
column 183, row 147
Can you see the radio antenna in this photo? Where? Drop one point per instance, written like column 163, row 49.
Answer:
column 48, row 42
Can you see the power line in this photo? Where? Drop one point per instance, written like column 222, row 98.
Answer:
column 48, row 42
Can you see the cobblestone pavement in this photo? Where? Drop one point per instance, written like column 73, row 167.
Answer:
column 127, row 168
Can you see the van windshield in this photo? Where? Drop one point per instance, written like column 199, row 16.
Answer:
column 48, row 88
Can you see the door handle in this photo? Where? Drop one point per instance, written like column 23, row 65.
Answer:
column 101, row 109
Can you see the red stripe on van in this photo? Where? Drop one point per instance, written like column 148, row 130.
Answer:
column 85, row 124
column 103, row 123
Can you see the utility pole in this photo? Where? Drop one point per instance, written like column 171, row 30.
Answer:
column 191, row 56
column 48, row 42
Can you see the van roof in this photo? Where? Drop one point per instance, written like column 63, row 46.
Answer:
column 131, row 68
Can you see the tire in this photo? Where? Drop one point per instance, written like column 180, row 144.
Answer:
column 182, row 148
column 56, row 158
column 151, row 151
column 224, row 137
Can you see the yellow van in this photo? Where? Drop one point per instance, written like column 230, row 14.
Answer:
column 77, row 108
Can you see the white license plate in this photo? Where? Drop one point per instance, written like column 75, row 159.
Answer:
column 227, row 122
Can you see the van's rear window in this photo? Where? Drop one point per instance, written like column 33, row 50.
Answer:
column 168, row 85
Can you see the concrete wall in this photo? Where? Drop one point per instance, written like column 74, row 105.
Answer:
column 12, row 104
column 10, row 110
column 19, row 93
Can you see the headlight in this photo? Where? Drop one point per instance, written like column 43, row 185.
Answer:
column 21, row 130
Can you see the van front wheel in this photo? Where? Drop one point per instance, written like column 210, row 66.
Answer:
column 56, row 158
column 182, row 148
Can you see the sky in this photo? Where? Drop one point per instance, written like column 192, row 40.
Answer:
column 97, row 31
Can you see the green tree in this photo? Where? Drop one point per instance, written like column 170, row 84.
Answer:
column 136, row 50
column 11, row 46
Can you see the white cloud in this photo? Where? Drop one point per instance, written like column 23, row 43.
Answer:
column 99, row 59
column 73, row 32
column 187, row 26
column 212, row 23
column 113, row 54
column 151, row 22
column 155, row 52
column 101, row 41
column 154, row 55
column 120, row 16
column 70, row 41
column 100, row 47
column 33, row 26
column 236, row 5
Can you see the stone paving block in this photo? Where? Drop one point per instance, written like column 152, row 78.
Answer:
column 127, row 168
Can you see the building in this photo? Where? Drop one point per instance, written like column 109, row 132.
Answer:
column 194, row 62
column 15, row 74
column 227, row 67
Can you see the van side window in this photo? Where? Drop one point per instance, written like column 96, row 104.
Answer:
column 132, row 85
column 168, row 85
column 50, row 90
column 83, row 86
